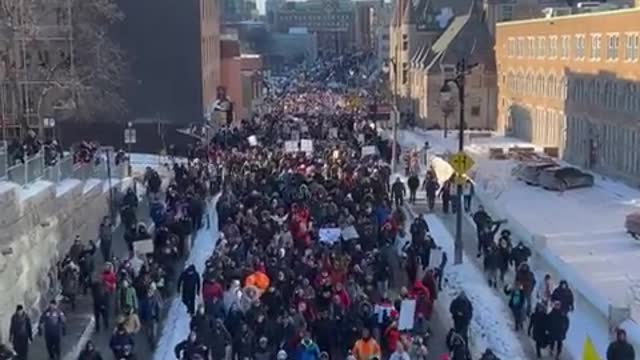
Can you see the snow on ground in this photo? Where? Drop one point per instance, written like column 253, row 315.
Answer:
column 32, row 189
column 579, row 235
column 65, row 185
column 492, row 324
column 90, row 184
column 176, row 326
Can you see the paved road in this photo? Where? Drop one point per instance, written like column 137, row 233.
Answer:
column 78, row 320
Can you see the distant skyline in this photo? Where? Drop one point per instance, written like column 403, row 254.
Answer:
column 261, row 5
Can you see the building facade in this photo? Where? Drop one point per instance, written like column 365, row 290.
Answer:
column 180, row 89
column 332, row 21
column 241, row 78
column 382, row 20
column 573, row 82
column 239, row 10
column 30, row 63
column 428, row 38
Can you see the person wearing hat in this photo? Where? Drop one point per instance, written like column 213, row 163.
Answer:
column 52, row 324
column 89, row 352
column 620, row 349
column 20, row 333
column 558, row 325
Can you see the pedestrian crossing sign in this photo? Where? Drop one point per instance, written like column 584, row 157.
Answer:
column 461, row 162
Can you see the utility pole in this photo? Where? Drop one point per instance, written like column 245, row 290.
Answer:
column 462, row 70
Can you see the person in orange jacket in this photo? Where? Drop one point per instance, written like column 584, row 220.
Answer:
column 366, row 348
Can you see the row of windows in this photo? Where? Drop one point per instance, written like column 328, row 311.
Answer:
column 574, row 46
column 620, row 95
column 612, row 146
column 309, row 18
column 538, row 125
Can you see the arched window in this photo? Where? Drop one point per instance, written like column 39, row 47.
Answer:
column 549, row 86
column 562, row 91
column 529, row 84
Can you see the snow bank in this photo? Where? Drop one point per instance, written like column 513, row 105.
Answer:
column 66, row 185
column 176, row 326
column 492, row 323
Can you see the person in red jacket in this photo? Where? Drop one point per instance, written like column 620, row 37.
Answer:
column 211, row 290
column 392, row 336
column 108, row 278
column 299, row 226
column 424, row 302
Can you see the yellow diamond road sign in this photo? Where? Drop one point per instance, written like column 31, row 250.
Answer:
column 461, row 162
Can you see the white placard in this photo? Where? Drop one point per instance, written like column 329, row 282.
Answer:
column 143, row 246
column 291, row 146
column 435, row 257
column 336, row 154
column 382, row 311
column 304, row 128
column 361, row 138
column 333, row 133
column 350, row 233
column 306, row 145
column 369, row 150
column 329, row 235
column 407, row 315
column 295, row 135
column 253, row 140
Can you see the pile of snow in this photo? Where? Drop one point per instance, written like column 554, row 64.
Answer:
column 492, row 323
column 176, row 326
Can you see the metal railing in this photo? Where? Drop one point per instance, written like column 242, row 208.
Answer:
column 35, row 168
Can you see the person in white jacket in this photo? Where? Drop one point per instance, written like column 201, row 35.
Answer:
column 544, row 291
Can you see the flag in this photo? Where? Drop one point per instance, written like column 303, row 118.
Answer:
column 589, row 351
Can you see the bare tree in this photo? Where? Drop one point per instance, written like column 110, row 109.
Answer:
column 58, row 58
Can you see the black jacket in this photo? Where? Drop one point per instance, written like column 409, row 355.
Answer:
column 189, row 282
column 565, row 296
column 538, row 327
column 620, row 350
column 558, row 325
column 188, row 350
column 461, row 308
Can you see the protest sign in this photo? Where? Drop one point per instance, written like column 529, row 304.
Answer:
column 295, row 135
column 369, row 150
column 350, row 233
column 435, row 258
column 253, row 140
column 407, row 315
column 306, row 145
column 333, row 133
column 291, row 146
column 329, row 235
column 143, row 246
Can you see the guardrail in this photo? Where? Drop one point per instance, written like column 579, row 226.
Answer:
column 36, row 168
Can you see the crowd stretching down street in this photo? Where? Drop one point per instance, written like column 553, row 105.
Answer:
column 318, row 257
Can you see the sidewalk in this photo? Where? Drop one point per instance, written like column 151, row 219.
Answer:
column 470, row 250
column 80, row 323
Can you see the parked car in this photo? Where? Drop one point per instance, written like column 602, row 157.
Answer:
column 530, row 172
column 564, row 178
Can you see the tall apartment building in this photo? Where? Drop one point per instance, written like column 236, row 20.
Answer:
column 176, row 57
column 30, row 58
column 573, row 82
column 332, row 21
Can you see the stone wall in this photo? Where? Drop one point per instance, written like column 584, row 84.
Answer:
column 37, row 227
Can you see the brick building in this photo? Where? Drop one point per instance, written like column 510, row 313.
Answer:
column 572, row 82
column 176, row 57
column 332, row 21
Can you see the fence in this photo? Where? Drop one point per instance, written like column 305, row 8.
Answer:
column 35, row 168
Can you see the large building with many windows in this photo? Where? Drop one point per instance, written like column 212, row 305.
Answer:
column 573, row 82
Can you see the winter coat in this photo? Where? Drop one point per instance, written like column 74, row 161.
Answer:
column 263, row 354
column 564, row 296
column 120, row 341
column 309, row 351
column 400, row 356
column 525, row 277
column 150, row 308
column 126, row 296
column 538, row 327
column 461, row 308
column 620, row 350
column 413, row 182
column 189, row 282
column 558, row 325
column 398, row 189
column 366, row 349
column 131, row 323
column 90, row 355
column 191, row 350
column 211, row 290
column 520, row 254
column 20, row 332
column 516, row 300
column 109, row 279
column 52, row 322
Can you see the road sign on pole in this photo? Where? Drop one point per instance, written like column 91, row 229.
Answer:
column 129, row 136
column 461, row 163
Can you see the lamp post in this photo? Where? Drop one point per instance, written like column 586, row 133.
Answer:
column 396, row 112
column 458, row 79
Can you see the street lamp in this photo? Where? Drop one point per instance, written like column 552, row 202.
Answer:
column 396, row 113
column 458, row 79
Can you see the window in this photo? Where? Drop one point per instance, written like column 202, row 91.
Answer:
column 475, row 110
column 405, row 42
column 506, row 13
column 531, row 47
column 613, row 42
column 596, row 41
column 520, row 47
column 553, row 47
column 564, row 47
column 631, row 51
column 542, row 44
column 405, row 73
column 578, row 47
column 511, row 47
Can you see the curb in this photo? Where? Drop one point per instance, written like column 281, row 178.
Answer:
column 74, row 353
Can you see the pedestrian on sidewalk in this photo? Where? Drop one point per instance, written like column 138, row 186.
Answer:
column 105, row 234
column 461, row 311
column 468, row 191
column 564, row 295
column 398, row 191
column 413, row 182
column 431, row 189
column 445, row 194
column 516, row 304
column 538, row 328
column 89, row 352
column 101, row 304
column 620, row 349
column 52, row 325
column 189, row 287
column 558, row 325
column 20, row 333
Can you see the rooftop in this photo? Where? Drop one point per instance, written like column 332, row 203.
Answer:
column 569, row 17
